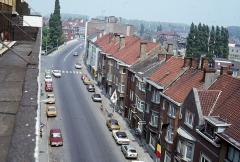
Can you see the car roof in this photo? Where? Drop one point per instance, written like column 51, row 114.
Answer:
column 51, row 106
column 55, row 130
column 129, row 147
column 50, row 94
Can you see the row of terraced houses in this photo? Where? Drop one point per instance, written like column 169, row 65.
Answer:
column 184, row 108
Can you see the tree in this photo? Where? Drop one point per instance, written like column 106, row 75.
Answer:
column 211, row 45
column 224, row 42
column 55, row 26
column 190, row 41
column 159, row 28
column 141, row 30
column 218, row 42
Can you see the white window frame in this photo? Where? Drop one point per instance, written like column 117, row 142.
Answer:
column 140, row 104
column 131, row 95
column 172, row 111
column 156, row 96
column 167, row 157
column 205, row 158
column 169, row 135
column 154, row 119
column 151, row 140
column 109, row 77
column 188, row 121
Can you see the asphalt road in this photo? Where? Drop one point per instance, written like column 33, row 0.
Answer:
column 86, row 138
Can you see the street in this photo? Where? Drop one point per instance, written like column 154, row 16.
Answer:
column 86, row 137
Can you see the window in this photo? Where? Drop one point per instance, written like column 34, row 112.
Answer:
column 109, row 77
column 156, row 96
column 147, row 108
column 149, row 87
column 189, row 119
column 131, row 95
column 233, row 154
column 185, row 149
column 140, row 104
column 171, row 111
column 169, row 135
column 124, row 71
column 152, row 141
column 204, row 158
column 141, row 86
column 132, row 78
column 154, row 119
column 167, row 157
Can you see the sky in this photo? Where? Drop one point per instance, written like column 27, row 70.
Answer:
column 211, row 12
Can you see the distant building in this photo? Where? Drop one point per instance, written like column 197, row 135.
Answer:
column 110, row 25
column 73, row 28
column 234, row 52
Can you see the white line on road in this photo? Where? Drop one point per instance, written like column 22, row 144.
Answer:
column 63, row 71
column 66, row 71
column 70, row 72
column 70, row 53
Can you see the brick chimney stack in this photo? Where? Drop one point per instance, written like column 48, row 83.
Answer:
column 143, row 49
column 187, row 62
column 122, row 42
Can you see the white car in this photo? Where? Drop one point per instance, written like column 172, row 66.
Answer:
column 96, row 97
column 120, row 137
column 75, row 54
column 48, row 78
column 50, row 98
column 78, row 66
column 129, row 151
column 57, row 73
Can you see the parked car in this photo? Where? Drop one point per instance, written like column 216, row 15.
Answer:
column 87, row 81
column 55, row 138
column 78, row 66
column 51, row 111
column 50, row 98
column 112, row 124
column 83, row 76
column 96, row 97
column 120, row 137
column 57, row 73
column 48, row 78
column 90, row 88
column 75, row 54
column 48, row 86
column 129, row 151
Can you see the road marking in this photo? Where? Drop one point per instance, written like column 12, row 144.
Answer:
column 63, row 71
column 70, row 72
column 66, row 71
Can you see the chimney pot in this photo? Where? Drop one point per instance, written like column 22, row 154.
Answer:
column 143, row 48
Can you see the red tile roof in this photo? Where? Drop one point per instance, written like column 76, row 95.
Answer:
column 168, row 71
column 228, row 105
column 179, row 90
column 129, row 54
column 207, row 100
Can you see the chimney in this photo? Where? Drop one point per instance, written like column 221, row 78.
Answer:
column 187, row 62
column 170, row 48
column 122, row 41
column 204, row 63
column 209, row 76
column 129, row 28
column 225, row 70
column 161, row 57
column 168, row 56
column 117, row 37
column 195, row 63
column 143, row 48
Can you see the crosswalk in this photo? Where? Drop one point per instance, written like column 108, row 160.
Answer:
column 71, row 72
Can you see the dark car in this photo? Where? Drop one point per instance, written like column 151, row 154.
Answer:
column 96, row 97
column 90, row 88
column 55, row 138
column 48, row 87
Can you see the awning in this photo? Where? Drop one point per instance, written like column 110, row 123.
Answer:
column 185, row 134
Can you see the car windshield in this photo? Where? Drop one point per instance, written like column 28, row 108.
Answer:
column 48, row 77
column 121, row 134
column 56, row 135
column 97, row 95
column 114, row 122
column 132, row 150
column 51, row 109
column 56, row 71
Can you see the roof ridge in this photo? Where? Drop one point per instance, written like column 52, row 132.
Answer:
column 211, row 110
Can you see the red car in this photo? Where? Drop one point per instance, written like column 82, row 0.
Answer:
column 84, row 76
column 48, row 87
column 55, row 138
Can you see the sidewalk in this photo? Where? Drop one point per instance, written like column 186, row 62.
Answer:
column 108, row 110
